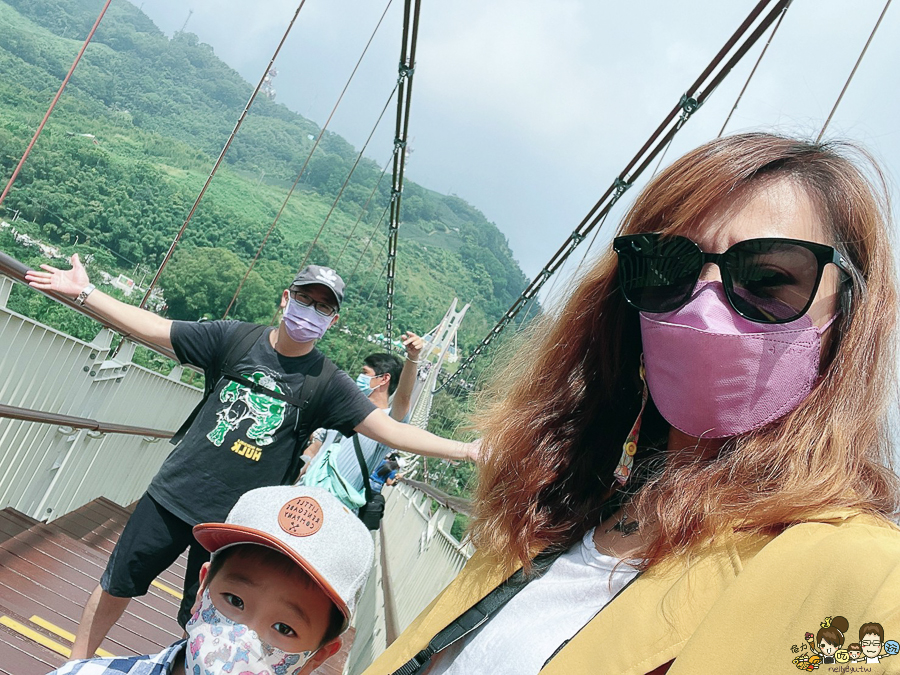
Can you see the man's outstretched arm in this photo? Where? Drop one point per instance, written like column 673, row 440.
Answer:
column 382, row 428
column 132, row 320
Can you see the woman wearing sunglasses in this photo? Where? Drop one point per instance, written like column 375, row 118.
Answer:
column 691, row 459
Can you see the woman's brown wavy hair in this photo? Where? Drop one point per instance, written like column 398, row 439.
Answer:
column 554, row 419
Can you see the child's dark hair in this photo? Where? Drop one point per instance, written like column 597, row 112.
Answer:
column 269, row 556
column 385, row 469
column 383, row 363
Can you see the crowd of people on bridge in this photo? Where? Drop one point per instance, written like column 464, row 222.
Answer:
column 684, row 470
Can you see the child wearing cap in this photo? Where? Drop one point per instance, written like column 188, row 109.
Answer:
column 287, row 570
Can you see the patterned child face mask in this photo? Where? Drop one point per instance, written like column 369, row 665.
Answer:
column 216, row 644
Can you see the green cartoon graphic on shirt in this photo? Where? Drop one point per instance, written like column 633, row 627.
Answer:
column 267, row 413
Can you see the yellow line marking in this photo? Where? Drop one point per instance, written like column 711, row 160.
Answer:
column 63, row 633
column 166, row 589
column 25, row 631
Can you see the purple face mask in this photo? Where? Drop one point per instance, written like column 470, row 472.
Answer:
column 714, row 374
column 304, row 324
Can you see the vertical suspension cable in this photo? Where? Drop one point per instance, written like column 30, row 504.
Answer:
column 56, row 98
column 221, row 157
column 404, row 97
column 662, row 156
column 362, row 212
column 753, row 71
column 375, row 285
column 853, row 72
column 369, row 242
column 315, row 145
column 347, row 180
column 327, row 216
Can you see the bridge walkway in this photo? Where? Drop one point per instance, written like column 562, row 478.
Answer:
column 47, row 572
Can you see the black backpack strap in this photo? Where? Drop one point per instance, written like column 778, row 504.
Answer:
column 238, row 343
column 477, row 615
column 310, row 402
column 362, row 467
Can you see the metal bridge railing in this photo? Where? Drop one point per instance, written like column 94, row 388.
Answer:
column 416, row 556
column 49, row 469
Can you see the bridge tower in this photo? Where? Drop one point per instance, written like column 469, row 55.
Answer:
column 440, row 346
column 440, row 343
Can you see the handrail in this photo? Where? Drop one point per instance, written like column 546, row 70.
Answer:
column 29, row 415
column 458, row 504
column 16, row 270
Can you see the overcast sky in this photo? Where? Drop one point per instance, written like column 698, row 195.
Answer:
column 529, row 109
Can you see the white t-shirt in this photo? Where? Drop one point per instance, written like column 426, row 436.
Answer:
column 520, row 638
column 346, row 461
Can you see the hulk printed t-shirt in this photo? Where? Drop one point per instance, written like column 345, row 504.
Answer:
column 241, row 440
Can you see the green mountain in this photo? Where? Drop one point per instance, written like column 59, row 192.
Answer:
column 133, row 139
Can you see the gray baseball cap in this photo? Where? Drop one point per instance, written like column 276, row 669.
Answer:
column 310, row 526
column 324, row 276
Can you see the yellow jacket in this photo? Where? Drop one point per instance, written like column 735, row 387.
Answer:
column 740, row 608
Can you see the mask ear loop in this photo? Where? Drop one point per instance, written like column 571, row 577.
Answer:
column 629, row 448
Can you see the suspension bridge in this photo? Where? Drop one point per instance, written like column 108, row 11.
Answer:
column 84, row 427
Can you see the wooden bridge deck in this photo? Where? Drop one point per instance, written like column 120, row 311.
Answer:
column 47, row 572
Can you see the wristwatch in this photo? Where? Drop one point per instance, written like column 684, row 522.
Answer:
column 85, row 292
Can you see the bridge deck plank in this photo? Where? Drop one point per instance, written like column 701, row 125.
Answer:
column 56, row 556
column 49, row 570
column 28, row 591
column 12, row 523
column 100, row 523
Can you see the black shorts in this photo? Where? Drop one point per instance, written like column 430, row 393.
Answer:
column 152, row 540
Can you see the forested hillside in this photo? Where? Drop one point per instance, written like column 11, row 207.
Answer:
column 134, row 137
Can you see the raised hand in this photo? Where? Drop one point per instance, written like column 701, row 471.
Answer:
column 413, row 344
column 66, row 282
column 474, row 451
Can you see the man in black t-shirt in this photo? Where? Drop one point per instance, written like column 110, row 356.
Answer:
column 240, row 439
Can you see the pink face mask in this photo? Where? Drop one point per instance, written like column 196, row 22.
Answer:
column 714, row 374
column 304, row 324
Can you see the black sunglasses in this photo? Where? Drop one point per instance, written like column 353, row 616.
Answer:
column 769, row 280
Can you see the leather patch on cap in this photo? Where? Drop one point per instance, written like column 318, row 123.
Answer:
column 301, row 517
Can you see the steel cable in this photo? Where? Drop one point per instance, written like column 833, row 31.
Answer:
column 690, row 102
column 306, row 163
column 375, row 286
column 362, row 212
column 753, row 71
column 62, row 87
column 221, row 157
column 853, row 72
column 369, row 242
column 404, row 99
column 347, row 180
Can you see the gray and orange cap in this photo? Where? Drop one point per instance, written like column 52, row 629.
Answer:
column 323, row 276
column 308, row 525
